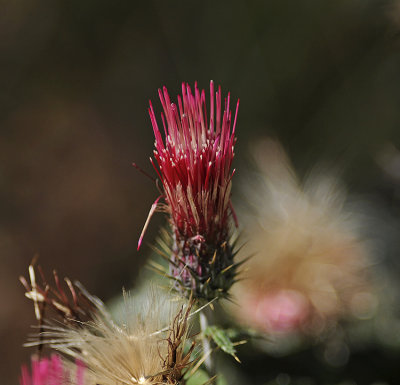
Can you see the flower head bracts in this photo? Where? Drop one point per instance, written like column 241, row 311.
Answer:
column 194, row 164
column 51, row 371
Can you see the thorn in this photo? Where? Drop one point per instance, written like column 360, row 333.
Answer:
column 237, row 359
column 213, row 258
column 227, row 268
column 238, row 343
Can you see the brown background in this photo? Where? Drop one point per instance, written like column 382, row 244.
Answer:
column 75, row 79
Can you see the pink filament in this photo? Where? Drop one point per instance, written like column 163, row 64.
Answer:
column 194, row 160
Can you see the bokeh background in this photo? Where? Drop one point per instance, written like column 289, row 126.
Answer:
column 75, row 79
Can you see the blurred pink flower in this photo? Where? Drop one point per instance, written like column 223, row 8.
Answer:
column 310, row 265
column 51, row 371
column 279, row 311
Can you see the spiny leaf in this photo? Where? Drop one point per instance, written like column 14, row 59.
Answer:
column 222, row 340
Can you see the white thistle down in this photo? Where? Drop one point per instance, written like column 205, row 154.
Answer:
column 147, row 347
column 309, row 264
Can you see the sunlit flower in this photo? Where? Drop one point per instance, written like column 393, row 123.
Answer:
column 52, row 371
column 309, row 265
column 194, row 164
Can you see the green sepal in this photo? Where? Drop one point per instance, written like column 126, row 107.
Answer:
column 222, row 339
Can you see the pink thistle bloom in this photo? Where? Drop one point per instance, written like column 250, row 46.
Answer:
column 194, row 164
column 279, row 311
column 51, row 371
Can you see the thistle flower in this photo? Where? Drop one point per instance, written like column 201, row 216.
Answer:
column 52, row 371
column 309, row 265
column 147, row 347
column 194, row 164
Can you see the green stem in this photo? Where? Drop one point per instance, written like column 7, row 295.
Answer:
column 207, row 350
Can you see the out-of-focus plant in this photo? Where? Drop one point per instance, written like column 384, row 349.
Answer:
column 309, row 267
column 53, row 371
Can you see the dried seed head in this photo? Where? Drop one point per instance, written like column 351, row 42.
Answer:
column 147, row 347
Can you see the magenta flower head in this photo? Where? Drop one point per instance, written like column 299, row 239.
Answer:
column 194, row 164
column 51, row 371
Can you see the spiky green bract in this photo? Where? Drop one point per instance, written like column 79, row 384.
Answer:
column 218, row 269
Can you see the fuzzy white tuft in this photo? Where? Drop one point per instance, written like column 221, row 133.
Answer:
column 136, row 350
column 309, row 264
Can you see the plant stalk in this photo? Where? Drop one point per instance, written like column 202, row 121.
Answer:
column 207, row 349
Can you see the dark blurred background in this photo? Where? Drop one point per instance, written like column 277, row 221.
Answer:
column 75, row 79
